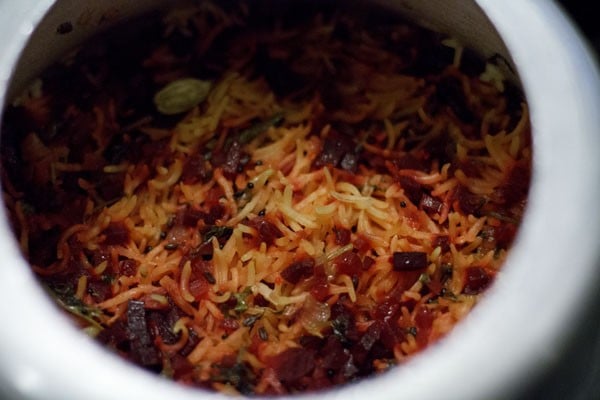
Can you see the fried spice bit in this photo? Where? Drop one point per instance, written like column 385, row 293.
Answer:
column 409, row 260
column 64, row 28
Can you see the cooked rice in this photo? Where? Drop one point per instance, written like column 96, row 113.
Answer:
column 434, row 166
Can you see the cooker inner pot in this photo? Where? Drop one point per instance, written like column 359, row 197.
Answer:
column 71, row 23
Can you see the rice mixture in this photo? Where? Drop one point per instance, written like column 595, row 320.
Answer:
column 265, row 205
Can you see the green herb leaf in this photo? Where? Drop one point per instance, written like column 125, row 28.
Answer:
column 218, row 232
column 411, row 330
column 340, row 327
column 243, row 197
column 239, row 376
column 503, row 217
column 241, row 298
column 249, row 134
column 67, row 301
column 424, row 278
column 448, row 294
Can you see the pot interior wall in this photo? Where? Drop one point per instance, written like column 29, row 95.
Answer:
column 70, row 22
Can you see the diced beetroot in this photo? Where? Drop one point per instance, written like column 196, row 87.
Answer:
column 348, row 263
column 198, row 287
column 319, row 288
column 516, row 185
column 424, row 321
column 213, row 196
column 201, row 277
column 141, row 343
column 371, row 336
column 468, row 202
column 409, row 260
column 293, row 364
column 388, row 310
column 267, row 231
column 160, row 323
column 196, row 169
column 362, row 243
column 360, row 350
column 128, row 267
column 115, row 335
column 100, row 255
column 193, row 340
column 477, row 279
column 334, row 354
column 335, row 148
column 110, row 186
column 342, row 236
column 442, row 241
column 232, row 160
column 191, row 216
column 116, row 234
column 430, row 204
column 471, row 168
column 505, row 234
column 216, row 212
column 500, row 236
column 412, row 189
column 311, row 342
column 205, row 250
column 387, row 314
column 368, row 262
column 298, row 270
column 99, row 289
column 230, row 325
column 183, row 370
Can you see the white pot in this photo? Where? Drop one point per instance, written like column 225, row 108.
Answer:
column 529, row 321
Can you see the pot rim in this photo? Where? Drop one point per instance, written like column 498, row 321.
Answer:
column 517, row 331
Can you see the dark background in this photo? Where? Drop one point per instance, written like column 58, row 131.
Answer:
column 587, row 19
